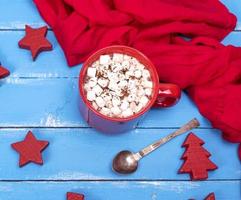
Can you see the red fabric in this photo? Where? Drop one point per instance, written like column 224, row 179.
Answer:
column 209, row 71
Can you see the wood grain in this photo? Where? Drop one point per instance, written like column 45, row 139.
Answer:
column 98, row 190
column 43, row 96
column 54, row 103
column 84, row 154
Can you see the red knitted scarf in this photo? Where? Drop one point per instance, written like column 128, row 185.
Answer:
column 209, row 71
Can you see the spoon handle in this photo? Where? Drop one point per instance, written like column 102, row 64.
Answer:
column 194, row 123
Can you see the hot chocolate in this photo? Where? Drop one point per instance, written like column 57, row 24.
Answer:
column 118, row 85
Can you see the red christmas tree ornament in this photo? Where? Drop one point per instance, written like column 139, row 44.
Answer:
column 74, row 196
column 211, row 196
column 196, row 159
column 30, row 149
column 35, row 40
column 3, row 72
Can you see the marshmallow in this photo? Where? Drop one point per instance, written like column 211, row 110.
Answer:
column 108, row 104
column 106, row 97
column 95, row 106
column 87, row 87
column 103, row 82
column 124, row 105
column 98, row 90
column 138, row 73
column 132, row 68
column 146, row 74
column 117, row 57
column 147, row 84
column 148, row 91
column 140, row 92
column 138, row 108
column 122, row 83
column 133, row 106
column 116, row 101
column 121, row 77
column 131, row 97
column 113, row 77
column 132, row 84
column 125, row 64
column 104, row 59
column 128, row 74
column 118, row 92
column 134, row 61
column 127, row 57
column 144, row 100
column 140, row 67
column 116, row 110
column 92, row 82
column 105, row 111
column 96, row 64
column 117, row 67
column 127, row 113
column 112, row 85
column 91, row 72
column 100, row 102
column 91, row 95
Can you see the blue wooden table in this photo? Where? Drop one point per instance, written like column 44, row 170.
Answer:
column 42, row 96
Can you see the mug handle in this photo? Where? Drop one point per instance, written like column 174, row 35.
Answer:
column 168, row 95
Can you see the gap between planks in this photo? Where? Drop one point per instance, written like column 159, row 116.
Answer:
column 87, row 127
column 121, row 180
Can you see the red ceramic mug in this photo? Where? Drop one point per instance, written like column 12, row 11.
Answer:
column 164, row 94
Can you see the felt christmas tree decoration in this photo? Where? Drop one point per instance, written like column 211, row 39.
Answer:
column 30, row 149
column 35, row 40
column 196, row 159
column 3, row 72
column 211, row 196
column 74, row 196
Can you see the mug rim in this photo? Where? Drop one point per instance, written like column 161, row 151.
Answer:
column 128, row 51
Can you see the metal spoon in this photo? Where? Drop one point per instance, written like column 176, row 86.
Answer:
column 126, row 162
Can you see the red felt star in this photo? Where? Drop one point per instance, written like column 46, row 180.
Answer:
column 3, row 72
column 211, row 196
column 35, row 40
column 74, row 196
column 30, row 149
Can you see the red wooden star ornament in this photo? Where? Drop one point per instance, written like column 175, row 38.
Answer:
column 3, row 72
column 35, row 41
column 74, row 196
column 30, row 149
column 196, row 159
column 211, row 196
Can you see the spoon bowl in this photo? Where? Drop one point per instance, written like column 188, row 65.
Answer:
column 124, row 162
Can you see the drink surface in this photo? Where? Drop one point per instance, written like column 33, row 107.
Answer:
column 118, row 85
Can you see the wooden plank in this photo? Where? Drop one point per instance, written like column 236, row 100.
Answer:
column 19, row 61
column 15, row 14
column 25, row 12
column 120, row 190
column 39, row 102
column 84, row 154
column 23, row 79
column 48, row 64
column 54, row 103
column 233, row 39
